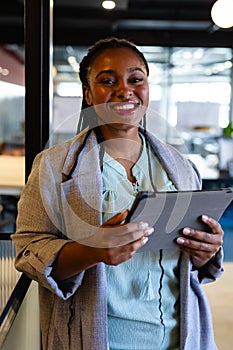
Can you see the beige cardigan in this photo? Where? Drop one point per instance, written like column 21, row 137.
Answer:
column 61, row 201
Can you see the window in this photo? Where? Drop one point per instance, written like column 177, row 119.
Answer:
column 12, row 143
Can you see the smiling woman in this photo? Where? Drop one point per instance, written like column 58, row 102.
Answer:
column 75, row 242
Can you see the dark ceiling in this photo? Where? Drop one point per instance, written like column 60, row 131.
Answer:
column 158, row 22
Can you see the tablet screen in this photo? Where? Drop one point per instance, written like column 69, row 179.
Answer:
column 170, row 212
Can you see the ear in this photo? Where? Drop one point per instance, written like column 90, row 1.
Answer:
column 87, row 95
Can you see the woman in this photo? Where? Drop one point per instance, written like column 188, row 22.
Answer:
column 95, row 291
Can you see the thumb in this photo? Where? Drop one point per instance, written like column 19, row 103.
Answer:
column 118, row 218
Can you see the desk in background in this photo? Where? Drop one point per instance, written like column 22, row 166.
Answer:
column 12, row 179
column 12, row 174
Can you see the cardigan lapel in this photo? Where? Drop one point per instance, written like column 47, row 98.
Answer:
column 81, row 192
column 175, row 165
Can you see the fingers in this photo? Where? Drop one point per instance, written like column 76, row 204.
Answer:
column 118, row 255
column 125, row 234
column 213, row 224
column 201, row 239
column 200, row 244
column 114, row 234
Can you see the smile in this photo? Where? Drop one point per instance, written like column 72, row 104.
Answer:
column 124, row 107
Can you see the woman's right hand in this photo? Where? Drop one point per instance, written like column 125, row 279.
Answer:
column 114, row 233
column 123, row 240
column 113, row 243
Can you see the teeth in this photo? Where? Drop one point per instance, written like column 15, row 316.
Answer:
column 124, row 107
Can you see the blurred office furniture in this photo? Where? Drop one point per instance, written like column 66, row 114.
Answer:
column 12, row 179
column 226, row 155
column 12, row 174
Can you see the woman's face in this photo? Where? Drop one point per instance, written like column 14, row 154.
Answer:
column 118, row 87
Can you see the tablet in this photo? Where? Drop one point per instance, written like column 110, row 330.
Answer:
column 170, row 212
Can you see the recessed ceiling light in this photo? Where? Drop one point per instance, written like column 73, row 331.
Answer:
column 108, row 5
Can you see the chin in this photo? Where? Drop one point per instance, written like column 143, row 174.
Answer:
column 123, row 126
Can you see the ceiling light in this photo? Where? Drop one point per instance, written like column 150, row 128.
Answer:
column 108, row 5
column 222, row 13
column 228, row 64
column 4, row 71
column 73, row 62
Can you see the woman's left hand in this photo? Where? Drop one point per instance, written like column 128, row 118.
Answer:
column 202, row 246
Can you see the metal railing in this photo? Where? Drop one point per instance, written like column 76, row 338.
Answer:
column 8, row 274
column 13, row 284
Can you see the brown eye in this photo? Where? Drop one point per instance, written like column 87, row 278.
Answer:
column 136, row 80
column 107, row 81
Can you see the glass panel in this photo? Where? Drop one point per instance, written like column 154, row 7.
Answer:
column 12, row 143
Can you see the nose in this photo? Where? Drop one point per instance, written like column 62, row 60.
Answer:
column 123, row 90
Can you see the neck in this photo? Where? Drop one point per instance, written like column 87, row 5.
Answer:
column 122, row 144
column 112, row 131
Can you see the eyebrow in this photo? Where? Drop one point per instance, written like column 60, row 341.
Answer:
column 111, row 71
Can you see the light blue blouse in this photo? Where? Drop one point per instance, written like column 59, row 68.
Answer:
column 143, row 293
